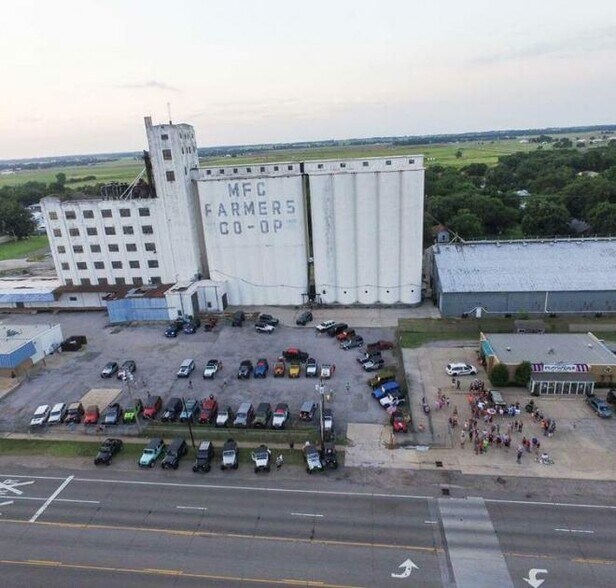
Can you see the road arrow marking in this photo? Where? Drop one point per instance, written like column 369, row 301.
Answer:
column 408, row 566
column 11, row 486
column 532, row 577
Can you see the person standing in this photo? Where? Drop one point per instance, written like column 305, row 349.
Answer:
column 520, row 451
column 462, row 439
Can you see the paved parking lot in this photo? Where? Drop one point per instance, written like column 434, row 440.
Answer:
column 66, row 377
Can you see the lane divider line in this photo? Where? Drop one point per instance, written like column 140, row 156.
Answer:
column 574, row 531
column 306, row 514
column 46, row 504
column 191, row 507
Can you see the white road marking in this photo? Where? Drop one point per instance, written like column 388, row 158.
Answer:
column 6, row 503
column 192, row 507
column 306, row 514
column 76, row 500
column 11, row 486
column 537, row 503
column 43, row 508
column 430, row 522
column 574, row 530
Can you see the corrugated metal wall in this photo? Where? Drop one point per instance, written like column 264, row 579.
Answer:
column 19, row 355
column 137, row 309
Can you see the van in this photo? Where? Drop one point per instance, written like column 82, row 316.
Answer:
column 186, row 368
column 382, row 377
column 460, row 369
column 244, row 416
column 496, row 398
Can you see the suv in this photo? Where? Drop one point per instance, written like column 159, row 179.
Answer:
column 336, row 329
column 368, row 356
column 280, row 369
column 172, row 330
column 212, row 367
column 172, row 410
column 151, row 453
column 74, row 413
column 312, row 457
column 238, row 318
column 329, row 455
column 186, row 368
column 112, row 414
column 244, row 416
column 327, row 370
column 328, row 424
column 245, row 369
column 109, row 369
column 346, row 334
column 190, row 409
column 262, row 415
column 295, row 369
column 384, row 389
column 373, row 364
column 307, row 410
column 312, row 368
column 40, row 416
column 398, row 422
column 176, row 450
column 152, row 407
column 460, row 369
column 382, row 377
column 599, row 406
column 261, row 457
column 261, row 368
column 356, row 341
column 190, row 327
column 325, row 326
column 265, row 328
column 91, row 415
column 205, row 454
column 281, row 415
column 132, row 412
column 496, row 399
column 224, row 417
column 107, row 450
column 268, row 319
column 209, row 410
column 57, row 414
column 293, row 353
column 128, row 367
column 230, row 455
column 379, row 346
column 304, row 318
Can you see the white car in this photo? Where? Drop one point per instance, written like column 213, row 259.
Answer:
column 324, row 326
column 460, row 369
column 392, row 400
column 57, row 414
column 264, row 328
column 41, row 414
column 212, row 367
column 327, row 370
column 223, row 417
column 186, row 368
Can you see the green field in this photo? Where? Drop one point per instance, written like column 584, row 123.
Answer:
column 20, row 249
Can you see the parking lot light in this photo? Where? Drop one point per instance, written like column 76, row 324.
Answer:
column 129, row 379
column 189, row 423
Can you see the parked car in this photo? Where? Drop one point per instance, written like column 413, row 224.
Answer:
column 40, row 416
column 57, row 414
column 279, row 369
column 261, row 457
column 337, row 329
column 109, row 447
column 112, row 414
column 244, row 416
column 268, row 319
column 132, row 412
column 312, row 368
column 379, row 346
column 295, row 369
column 190, row 410
column 264, row 328
column 151, row 453
column 238, row 318
column 191, row 326
column 128, row 367
column 325, row 326
column 385, row 389
column 210, row 323
column 261, row 368
column 394, row 399
column 398, row 422
column 327, row 370
column 205, row 455
column 224, row 417
column 346, row 334
column 611, row 397
column 245, row 369
column 373, row 365
column 74, row 414
column 281, row 415
column 329, row 456
column 262, row 415
column 109, row 369
column 293, row 353
column 460, row 369
column 186, row 368
column 382, row 377
column 370, row 355
column 172, row 410
column 328, row 424
column 176, row 450
column 172, row 330
column 230, row 455
column 209, row 410
column 307, row 410
column 152, row 407
column 304, row 318
column 312, row 458
column 600, row 407
column 92, row 415
column 352, row 343
column 212, row 367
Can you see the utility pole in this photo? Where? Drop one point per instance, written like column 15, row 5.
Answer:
column 129, row 378
column 189, row 423
column 320, row 388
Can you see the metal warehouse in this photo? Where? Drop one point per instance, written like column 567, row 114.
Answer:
column 21, row 346
column 526, row 276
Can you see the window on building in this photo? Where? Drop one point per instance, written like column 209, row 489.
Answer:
column 128, row 230
column 70, row 215
column 102, row 281
column 53, row 215
column 57, row 233
column 61, row 249
column 124, row 212
column 275, row 168
column 110, row 231
column 99, row 265
column 167, row 155
column 144, row 211
column 290, row 167
column 262, row 169
column 155, row 280
column 65, row 266
column 152, row 263
column 221, row 172
column 69, row 282
column 86, row 282
column 132, row 247
column 77, row 249
column 120, row 281
column 235, row 170
column 208, row 172
column 248, row 170
column 170, row 176
column 134, row 264
column 82, row 265
column 114, row 247
column 343, row 165
column 150, row 246
column 365, row 164
column 95, row 248
column 147, row 229
column 73, row 232
column 138, row 281
column 91, row 231
column 88, row 214
column 164, row 137
column 388, row 162
column 106, row 213
column 116, row 264
column 319, row 166
column 411, row 161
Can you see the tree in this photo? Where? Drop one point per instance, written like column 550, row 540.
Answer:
column 545, row 218
column 499, row 376
column 522, row 373
column 15, row 220
column 602, row 218
column 458, row 153
column 467, row 225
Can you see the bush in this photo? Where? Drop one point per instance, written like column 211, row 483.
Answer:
column 499, row 376
column 522, row 374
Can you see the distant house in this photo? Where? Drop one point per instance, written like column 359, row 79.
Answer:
column 579, row 227
column 441, row 234
column 588, row 174
column 522, row 193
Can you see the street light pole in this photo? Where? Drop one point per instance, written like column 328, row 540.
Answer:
column 189, row 423
column 128, row 379
column 320, row 388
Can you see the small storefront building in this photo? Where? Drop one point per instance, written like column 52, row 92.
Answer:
column 561, row 380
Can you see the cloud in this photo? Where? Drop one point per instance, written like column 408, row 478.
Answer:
column 151, row 85
column 592, row 41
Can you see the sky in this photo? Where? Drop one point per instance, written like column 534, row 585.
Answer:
column 79, row 76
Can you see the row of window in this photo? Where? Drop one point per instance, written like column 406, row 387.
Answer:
column 100, row 265
column 119, row 281
column 105, row 213
column 93, row 231
column 113, row 248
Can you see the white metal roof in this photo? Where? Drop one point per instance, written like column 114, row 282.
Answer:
column 523, row 266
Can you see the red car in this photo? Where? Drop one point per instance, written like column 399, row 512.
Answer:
column 346, row 334
column 92, row 415
column 379, row 346
column 152, row 406
column 398, row 422
column 279, row 369
column 209, row 410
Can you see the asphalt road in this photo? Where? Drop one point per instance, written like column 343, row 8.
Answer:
column 147, row 529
